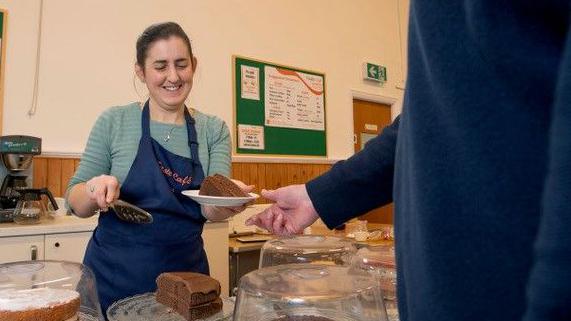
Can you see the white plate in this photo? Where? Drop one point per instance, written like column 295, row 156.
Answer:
column 219, row 200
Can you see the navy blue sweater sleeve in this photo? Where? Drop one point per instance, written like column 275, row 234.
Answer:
column 359, row 184
column 549, row 288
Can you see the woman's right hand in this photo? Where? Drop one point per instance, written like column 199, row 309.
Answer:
column 102, row 190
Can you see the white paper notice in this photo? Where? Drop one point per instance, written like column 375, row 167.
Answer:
column 250, row 82
column 251, row 137
column 293, row 99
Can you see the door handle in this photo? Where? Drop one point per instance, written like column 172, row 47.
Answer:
column 34, row 252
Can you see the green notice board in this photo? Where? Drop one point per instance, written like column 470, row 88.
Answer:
column 2, row 23
column 279, row 110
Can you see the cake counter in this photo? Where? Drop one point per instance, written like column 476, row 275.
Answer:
column 66, row 237
column 61, row 224
column 235, row 246
column 244, row 256
column 64, row 224
column 319, row 229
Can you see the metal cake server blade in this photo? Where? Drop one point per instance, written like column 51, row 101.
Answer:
column 131, row 213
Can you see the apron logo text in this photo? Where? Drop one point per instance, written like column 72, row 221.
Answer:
column 186, row 180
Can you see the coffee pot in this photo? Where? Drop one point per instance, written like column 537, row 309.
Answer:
column 30, row 208
column 16, row 154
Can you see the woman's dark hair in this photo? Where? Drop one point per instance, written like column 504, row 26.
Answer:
column 163, row 30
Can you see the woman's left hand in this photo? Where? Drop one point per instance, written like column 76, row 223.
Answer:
column 219, row 213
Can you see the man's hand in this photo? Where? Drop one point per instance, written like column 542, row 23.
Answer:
column 292, row 212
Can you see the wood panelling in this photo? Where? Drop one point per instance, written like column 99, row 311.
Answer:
column 40, row 176
column 55, row 173
column 275, row 175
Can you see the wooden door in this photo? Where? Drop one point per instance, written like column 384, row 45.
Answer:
column 368, row 121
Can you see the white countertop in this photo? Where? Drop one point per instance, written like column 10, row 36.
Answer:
column 67, row 224
column 62, row 224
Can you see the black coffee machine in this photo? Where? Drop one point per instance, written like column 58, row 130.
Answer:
column 16, row 152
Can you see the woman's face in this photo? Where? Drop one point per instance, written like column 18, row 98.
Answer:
column 167, row 72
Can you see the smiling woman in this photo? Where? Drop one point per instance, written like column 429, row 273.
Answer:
column 127, row 154
column 167, row 68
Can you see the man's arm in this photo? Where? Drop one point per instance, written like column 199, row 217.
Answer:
column 359, row 184
column 350, row 188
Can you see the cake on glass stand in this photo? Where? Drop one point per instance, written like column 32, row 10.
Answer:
column 48, row 290
column 145, row 307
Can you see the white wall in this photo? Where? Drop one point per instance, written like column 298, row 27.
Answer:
column 87, row 56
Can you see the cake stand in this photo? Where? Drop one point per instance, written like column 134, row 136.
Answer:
column 144, row 307
column 87, row 317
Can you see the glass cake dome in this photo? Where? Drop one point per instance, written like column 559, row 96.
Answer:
column 309, row 292
column 307, row 249
column 379, row 261
column 48, row 290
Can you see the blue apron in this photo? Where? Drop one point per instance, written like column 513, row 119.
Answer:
column 126, row 258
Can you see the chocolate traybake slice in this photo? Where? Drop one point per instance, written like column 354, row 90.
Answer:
column 200, row 311
column 219, row 185
column 186, row 289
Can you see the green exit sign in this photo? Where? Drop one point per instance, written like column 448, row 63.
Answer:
column 374, row 72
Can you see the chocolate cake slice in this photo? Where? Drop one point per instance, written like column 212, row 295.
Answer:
column 220, row 185
column 183, row 290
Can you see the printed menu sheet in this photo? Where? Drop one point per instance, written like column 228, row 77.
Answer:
column 293, row 99
column 251, row 137
column 250, row 82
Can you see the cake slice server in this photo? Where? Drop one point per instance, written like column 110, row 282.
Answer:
column 131, row 213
